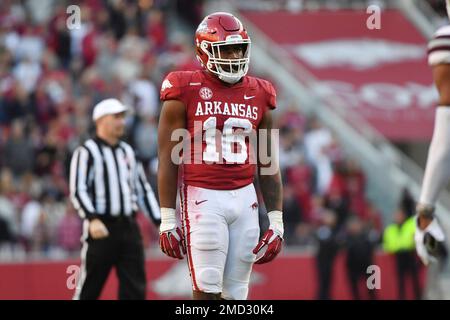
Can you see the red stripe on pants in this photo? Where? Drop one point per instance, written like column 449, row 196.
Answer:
column 188, row 237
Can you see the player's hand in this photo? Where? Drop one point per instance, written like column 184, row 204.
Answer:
column 270, row 244
column 97, row 229
column 172, row 243
column 429, row 238
column 171, row 240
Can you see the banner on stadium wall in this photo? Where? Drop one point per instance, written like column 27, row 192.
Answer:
column 290, row 277
column 382, row 74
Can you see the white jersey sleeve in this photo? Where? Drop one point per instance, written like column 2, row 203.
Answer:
column 439, row 47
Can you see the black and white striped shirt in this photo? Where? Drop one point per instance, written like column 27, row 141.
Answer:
column 108, row 181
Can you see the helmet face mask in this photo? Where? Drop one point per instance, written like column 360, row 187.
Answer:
column 228, row 70
column 217, row 32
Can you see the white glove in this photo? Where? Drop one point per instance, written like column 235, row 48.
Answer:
column 171, row 240
column 168, row 220
column 276, row 222
column 429, row 242
column 270, row 244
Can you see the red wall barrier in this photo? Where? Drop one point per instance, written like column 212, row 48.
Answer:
column 287, row 277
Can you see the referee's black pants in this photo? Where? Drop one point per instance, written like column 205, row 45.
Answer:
column 122, row 249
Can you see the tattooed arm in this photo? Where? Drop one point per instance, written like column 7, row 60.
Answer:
column 170, row 237
column 269, row 173
column 272, row 190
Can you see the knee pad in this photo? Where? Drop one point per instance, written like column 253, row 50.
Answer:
column 209, row 279
column 249, row 242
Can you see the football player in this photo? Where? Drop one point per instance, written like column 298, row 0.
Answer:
column 429, row 236
column 219, row 106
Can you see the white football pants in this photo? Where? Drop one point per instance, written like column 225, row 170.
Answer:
column 221, row 228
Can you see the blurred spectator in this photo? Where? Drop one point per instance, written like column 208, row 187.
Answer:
column 337, row 200
column 13, row 190
column 145, row 138
column 8, row 218
column 318, row 141
column 360, row 246
column 291, row 215
column 156, row 30
column 40, row 221
column 40, row 240
column 398, row 239
column 317, row 209
column 69, row 232
column 27, row 73
column 131, row 50
column 190, row 11
column 31, row 214
column 8, row 222
column 117, row 18
column 291, row 147
column 5, row 232
column 143, row 95
column 408, row 204
column 30, row 47
column 300, row 178
column 59, row 37
column 329, row 243
column 45, row 156
column 54, row 211
column 356, row 188
column 19, row 153
column 373, row 218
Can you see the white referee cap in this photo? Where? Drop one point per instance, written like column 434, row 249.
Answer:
column 108, row 106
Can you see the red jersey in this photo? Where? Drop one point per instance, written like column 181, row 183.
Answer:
column 219, row 119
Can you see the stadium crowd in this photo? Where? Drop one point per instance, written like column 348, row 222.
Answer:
column 50, row 79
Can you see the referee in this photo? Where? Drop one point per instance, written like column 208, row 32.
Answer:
column 106, row 185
